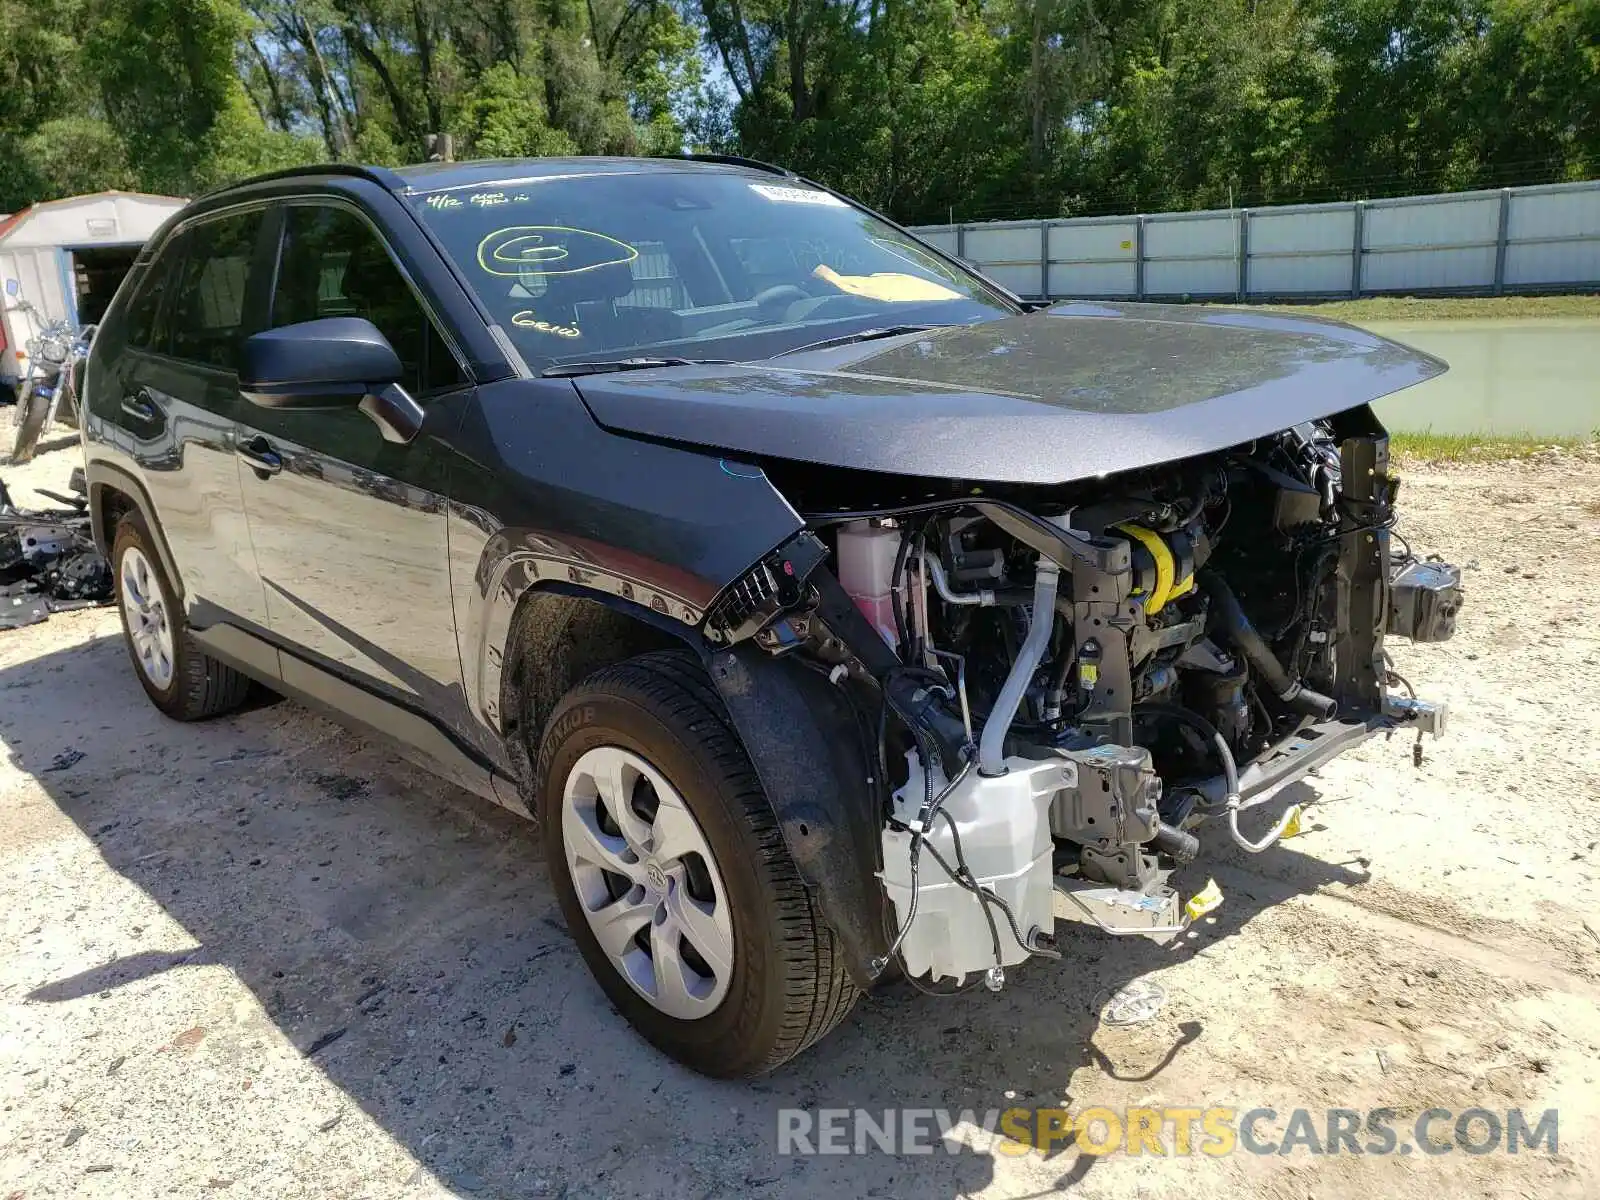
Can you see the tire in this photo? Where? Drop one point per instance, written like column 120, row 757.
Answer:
column 787, row 986
column 29, row 420
column 184, row 682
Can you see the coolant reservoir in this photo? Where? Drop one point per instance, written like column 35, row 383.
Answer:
column 1005, row 838
column 866, row 571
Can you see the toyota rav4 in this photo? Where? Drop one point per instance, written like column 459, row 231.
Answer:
column 836, row 615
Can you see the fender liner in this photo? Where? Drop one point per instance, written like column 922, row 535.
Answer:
column 804, row 740
column 100, row 476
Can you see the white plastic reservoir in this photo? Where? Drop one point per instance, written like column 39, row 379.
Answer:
column 1004, row 824
column 867, row 554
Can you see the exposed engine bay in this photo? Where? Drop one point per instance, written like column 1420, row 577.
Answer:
column 1066, row 691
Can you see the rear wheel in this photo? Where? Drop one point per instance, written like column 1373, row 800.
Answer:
column 181, row 679
column 673, row 875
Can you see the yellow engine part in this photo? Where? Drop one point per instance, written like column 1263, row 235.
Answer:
column 1168, row 587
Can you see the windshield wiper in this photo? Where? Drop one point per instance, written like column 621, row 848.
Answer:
column 567, row 370
column 865, row 335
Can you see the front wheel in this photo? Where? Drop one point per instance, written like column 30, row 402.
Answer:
column 673, row 874
column 33, row 409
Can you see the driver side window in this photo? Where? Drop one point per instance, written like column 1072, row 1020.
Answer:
column 334, row 265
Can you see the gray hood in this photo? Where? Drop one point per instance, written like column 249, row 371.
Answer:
column 1068, row 393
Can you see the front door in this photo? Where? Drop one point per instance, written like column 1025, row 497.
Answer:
column 349, row 529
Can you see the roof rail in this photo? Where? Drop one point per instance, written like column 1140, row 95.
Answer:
column 379, row 175
column 736, row 160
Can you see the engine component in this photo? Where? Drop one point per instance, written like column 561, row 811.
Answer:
column 1104, row 621
column 996, row 831
column 1154, row 913
column 1295, row 505
column 1108, row 805
column 1072, row 626
column 1172, row 577
column 935, row 569
column 1236, row 627
column 867, row 557
column 1424, row 598
column 1354, row 660
column 1218, row 695
column 991, row 747
column 1425, row 716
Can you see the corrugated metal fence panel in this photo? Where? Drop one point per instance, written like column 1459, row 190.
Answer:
column 1009, row 252
column 1536, row 237
column 1553, row 235
column 1302, row 250
column 1093, row 258
column 1196, row 256
column 1442, row 244
column 943, row 237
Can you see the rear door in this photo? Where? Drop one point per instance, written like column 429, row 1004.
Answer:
column 174, row 401
column 349, row 529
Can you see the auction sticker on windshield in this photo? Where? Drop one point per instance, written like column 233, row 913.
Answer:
column 796, row 195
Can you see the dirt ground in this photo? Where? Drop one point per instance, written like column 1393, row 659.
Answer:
column 263, row 957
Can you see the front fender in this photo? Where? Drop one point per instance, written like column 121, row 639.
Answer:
column 806, row 744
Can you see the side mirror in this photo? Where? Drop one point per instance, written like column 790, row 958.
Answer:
column 329, row 363
column 337, row 362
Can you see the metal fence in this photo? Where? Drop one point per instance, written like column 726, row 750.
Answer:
column 1528, row 239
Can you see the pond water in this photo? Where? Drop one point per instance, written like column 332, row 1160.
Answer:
column 1524, row 375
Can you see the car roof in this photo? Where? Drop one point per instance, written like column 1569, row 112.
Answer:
column 433, row 176
column 438, row 176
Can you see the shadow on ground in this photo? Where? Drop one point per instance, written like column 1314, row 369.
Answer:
column 403, row 935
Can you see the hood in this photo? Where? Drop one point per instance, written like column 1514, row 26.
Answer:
column 1048, row 397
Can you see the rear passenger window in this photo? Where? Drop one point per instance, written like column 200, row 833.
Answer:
column 334, row 265
column 146, row 305
column 204, row 316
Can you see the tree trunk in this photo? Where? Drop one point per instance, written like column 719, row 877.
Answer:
column 799, row 98
column 1036, row 87
column 334, row 131
column 277, row 106
column 430, row 89
column 403, row 114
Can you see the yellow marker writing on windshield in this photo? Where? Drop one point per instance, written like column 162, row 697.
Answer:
column 526, row 320
column 533, row 250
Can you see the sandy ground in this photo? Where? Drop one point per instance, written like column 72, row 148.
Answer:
column 261, row 956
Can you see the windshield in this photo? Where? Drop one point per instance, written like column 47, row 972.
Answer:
column 691, row 264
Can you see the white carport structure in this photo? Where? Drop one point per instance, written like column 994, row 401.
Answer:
column 68, row 257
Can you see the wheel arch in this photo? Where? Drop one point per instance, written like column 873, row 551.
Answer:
column 113, row 493
column 801, row 732
column 558, row 635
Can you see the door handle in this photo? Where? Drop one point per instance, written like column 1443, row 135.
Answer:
column 263, row 459
column 141, row 407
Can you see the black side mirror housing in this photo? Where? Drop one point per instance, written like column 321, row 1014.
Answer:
column 330, row 363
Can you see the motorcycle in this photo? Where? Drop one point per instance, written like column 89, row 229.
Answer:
column 55, row 357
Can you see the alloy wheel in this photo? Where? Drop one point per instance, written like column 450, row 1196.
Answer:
column 148, row 622
column 648, row 883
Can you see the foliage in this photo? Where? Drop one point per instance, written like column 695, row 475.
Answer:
column 926, row 109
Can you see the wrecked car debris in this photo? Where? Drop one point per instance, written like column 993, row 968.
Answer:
column 48, row 560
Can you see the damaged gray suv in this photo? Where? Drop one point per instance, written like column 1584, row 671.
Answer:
column 838, row 617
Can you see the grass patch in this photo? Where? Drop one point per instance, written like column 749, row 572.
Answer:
column 1477, row 447
column 1452, row 308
